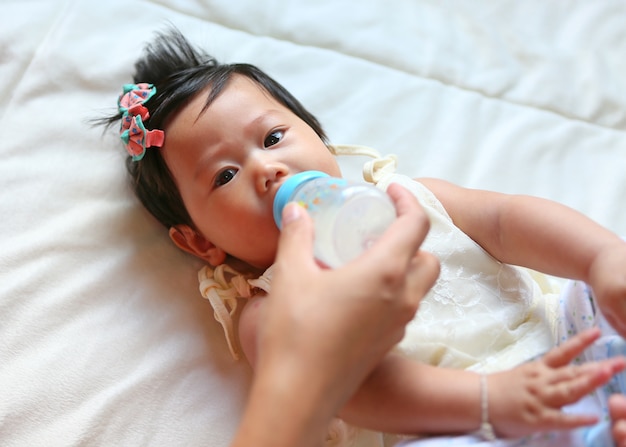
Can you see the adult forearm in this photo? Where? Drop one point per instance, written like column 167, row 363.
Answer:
column 284, row 410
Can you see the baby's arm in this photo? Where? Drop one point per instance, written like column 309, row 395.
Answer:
column 403, row 396
column 544, row 236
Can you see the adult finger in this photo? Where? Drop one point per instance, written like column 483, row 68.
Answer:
column 405, row 235
column 295, row 244
column 422, row 274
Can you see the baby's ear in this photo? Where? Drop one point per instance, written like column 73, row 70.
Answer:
column 190, row 241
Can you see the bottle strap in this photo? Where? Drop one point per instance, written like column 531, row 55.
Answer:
column 223, row 287
column 373, row 170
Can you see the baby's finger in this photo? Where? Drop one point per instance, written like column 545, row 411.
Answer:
column 572, row 348
column 557, row 420
column 574, row 382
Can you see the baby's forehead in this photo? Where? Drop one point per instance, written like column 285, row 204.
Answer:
column 242, row 85
column 239, row 103
column 245, row 99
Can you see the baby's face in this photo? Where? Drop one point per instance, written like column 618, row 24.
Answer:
column 230, row 160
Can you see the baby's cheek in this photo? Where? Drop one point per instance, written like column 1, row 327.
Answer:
column 261, row 250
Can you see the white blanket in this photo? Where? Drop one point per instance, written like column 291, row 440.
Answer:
column 104, row 339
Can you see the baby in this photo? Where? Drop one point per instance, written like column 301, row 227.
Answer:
column 209, row 144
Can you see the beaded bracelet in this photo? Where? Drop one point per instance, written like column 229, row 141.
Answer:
column 486, row 429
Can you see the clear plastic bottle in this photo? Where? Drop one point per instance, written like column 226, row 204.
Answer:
column 348, row 216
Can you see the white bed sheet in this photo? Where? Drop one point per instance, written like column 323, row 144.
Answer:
column 104, row 339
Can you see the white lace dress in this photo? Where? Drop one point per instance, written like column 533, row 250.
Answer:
column 481, row 314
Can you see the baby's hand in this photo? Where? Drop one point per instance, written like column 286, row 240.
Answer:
column 607, row 278
column 529, row 398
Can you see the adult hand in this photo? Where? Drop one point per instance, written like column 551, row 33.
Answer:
column 323, row 331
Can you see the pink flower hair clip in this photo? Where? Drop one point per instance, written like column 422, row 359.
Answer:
column 133, row 131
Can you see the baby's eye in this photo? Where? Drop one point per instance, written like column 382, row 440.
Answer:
column 273, row 138
column 225, row 176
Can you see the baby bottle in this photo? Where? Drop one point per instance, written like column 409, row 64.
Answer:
column 348, row 216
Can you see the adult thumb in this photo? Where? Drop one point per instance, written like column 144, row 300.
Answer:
column 296, row 236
